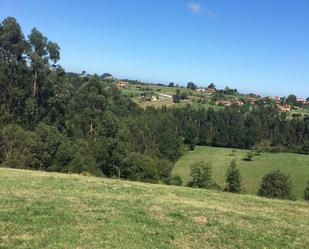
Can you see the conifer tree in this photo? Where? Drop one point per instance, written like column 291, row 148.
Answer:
column 233, row 179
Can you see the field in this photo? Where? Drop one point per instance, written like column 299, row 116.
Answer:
column 252, row 172
column 50, row 210
column 135, row 92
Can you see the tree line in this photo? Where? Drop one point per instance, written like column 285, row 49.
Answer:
column 55, row 121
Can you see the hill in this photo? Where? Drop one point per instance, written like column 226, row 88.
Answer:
column 50, row 210
column 252, row 172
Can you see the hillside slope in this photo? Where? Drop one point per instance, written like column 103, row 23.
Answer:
column 296, row 165
column 49, row 210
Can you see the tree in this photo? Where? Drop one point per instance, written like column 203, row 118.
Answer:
column 87, row 109
column 107, row 76
column 13, row 146
column 212, row 85
column 171, row 84
column 191, row 136
column 233, row 179
column 306, row 192
column 291, row 99
column 177, row 96
column 184, row 95
column 201, row 173
column 14, row 78
column 276, row 185
column 191, row 86
column 41, row 52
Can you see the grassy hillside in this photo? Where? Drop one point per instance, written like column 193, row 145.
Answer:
column 49, row 210
column 252, row 172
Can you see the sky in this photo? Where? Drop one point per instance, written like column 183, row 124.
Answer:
column 259, row 46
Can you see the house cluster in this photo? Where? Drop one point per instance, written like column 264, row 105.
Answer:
column 284, row 107
column 229, row 102
column 208, row 90
column 155, row 97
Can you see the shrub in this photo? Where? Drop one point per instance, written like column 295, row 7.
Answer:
column 201, row 174
column 173, row 180
column 177, row 97
column 249, row 156
column 262, row 146
column 276, row 185
column 306, row 192
column 233, row 179
column 233, row 152
column 184, row 95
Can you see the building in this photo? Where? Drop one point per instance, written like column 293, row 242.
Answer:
column 284, row 108
column 223, row 103
column 200, row 90
column 238, row 102
column 252, row 100
column 122, row 83
column 300, row 100
column 210, row 90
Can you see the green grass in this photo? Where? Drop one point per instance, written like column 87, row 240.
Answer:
column 297, row 166
column 49, row 210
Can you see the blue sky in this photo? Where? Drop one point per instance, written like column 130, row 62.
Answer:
column 259, row 46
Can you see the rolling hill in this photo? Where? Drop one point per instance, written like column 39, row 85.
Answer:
column 50, row 210
column 297, row 166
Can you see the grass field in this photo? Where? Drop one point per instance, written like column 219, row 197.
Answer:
column 49, row 210
column 252, row 172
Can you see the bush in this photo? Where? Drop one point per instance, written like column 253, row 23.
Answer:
column 249, row 156
column 184, row 95
column 262, row 146
column 177, row 97
column 233, row 179
column 306, row 192
column 278, row 149
column 201, row 174
column 276, row 185
column 233, row 152
column 173, row 180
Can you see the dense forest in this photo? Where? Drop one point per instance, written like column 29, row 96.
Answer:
column 55, row 121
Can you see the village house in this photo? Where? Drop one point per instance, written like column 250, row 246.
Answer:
column 238, row 102
column 300, row 100
column 277, row 99
column 200, row 90
column 284, row 108
column 210, row 90
column 223, row 103
column 122, row 83
column 252, row 100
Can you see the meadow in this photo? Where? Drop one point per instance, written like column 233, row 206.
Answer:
column 296, row 165
column 52, row 210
